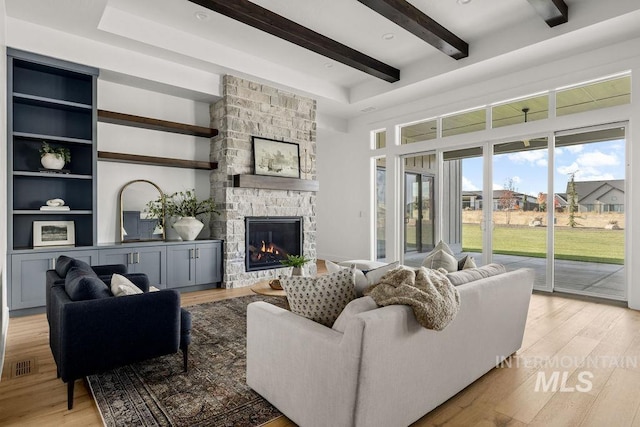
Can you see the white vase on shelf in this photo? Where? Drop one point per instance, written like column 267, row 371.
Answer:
column 188, row 227
column 52, row 161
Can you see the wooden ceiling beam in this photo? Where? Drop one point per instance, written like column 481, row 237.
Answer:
column 279, row 26
column 554, row 12
column 413, row 20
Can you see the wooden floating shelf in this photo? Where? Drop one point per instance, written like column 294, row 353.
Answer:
column 275, row 183
column 155, row 161
column 155, row 124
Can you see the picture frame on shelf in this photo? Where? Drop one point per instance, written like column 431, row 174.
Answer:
column 275, row 158
column 53, row 233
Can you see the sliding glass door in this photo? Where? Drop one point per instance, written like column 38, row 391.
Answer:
column 520, row 170
column 589, row 209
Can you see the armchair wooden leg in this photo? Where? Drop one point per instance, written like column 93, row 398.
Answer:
column 70, row 385
column 185, row 357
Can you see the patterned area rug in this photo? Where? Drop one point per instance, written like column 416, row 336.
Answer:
column 214, row 391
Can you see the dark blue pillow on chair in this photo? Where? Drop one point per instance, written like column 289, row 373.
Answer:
column 84, row 285
column 64, row 264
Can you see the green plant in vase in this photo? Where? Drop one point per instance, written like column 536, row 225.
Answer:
column 295, row 261
column 186, row 206
column 54, row 157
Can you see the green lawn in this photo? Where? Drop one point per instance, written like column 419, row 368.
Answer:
column 578, row 244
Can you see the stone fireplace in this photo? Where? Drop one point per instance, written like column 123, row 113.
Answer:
column 252, row 109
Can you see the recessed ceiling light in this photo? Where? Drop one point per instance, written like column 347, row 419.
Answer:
column 368, row 109
column 328, row 65
column 201, row 16
column 388, row 36
column 464, row 1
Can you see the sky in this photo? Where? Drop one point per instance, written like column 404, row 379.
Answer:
column 528, row 169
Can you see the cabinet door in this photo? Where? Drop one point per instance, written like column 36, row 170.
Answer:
column 152, row 261
column 180, row 266
column 28, row 275
column 117, row 256
column 208, row 263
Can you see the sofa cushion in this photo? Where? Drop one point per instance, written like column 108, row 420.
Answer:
column 81, row 285
column 364, row 279
column 64, row 263
column 358, row 305
column 321, row 298
column 470, row 274
column 121, row 286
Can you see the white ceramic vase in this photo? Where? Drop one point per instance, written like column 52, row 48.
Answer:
column 52, row 161
column 188, row 227
column 170, row 232
column 297, row 271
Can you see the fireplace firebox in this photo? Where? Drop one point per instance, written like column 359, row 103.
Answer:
column 270, row 239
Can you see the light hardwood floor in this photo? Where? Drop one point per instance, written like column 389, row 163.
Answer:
column 558, row 328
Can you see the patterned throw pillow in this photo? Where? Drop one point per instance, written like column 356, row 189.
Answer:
column 321, row 298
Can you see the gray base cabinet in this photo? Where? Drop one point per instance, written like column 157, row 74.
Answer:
column 168, row 265
column 196, row 264
column 28, row 275
column 150, row 260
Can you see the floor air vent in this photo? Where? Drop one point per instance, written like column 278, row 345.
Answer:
column 22, row 368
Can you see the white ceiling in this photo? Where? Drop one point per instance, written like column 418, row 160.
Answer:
column 497, row 31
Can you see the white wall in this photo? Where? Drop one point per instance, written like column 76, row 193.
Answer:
column 342, row 208
column 124, row 139
column 4, row 304
column 344, row 160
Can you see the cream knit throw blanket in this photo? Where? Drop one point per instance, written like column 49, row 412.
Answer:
column 434, row 300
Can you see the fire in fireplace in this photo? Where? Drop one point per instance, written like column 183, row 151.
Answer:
column 270, row 239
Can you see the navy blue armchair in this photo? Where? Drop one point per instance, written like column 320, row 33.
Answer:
column 91, row 331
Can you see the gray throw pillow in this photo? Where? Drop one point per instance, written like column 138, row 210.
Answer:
column 81, row 285
column 321, row 298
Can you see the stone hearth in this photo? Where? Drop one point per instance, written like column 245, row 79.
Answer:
column 251, row 109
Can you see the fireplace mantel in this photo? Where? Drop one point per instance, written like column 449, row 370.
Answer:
column 275, row 183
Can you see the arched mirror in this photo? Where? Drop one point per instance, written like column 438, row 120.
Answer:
column 137, row 224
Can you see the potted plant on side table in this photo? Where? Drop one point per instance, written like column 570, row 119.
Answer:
column 295, row 261
column 186, row 206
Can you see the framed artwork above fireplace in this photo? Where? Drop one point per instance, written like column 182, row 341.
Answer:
column 275, row 158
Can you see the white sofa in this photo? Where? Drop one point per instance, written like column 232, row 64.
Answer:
column 385, row 370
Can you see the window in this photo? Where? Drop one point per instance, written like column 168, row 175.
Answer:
column 521, row 111
column 471, row 121
column 602, row 94
column 422, row 131
column 380, row 139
